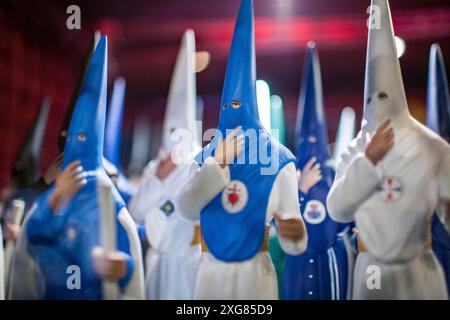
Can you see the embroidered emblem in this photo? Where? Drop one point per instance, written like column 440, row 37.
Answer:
column 234, row 197
column 167, row 208
column 391, row 189
column 315, row 212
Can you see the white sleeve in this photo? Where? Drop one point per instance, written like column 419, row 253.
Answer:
column 444, row 193
column 287, row 187
column 204, row 184
column 355, row 181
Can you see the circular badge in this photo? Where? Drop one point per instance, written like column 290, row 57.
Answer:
column 391, row 189
column 315, row 212
column 234, row 196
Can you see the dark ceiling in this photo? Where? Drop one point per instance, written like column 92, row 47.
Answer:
column 144, row 37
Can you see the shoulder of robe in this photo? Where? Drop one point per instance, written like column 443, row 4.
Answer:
column 291, row 169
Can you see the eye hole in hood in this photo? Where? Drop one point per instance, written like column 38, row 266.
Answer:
column 383, row 96
column 312, row 139
column 236, row 104
column 81, row 137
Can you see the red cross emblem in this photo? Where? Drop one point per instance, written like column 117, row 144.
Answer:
column 391, row 189
column 234, row 197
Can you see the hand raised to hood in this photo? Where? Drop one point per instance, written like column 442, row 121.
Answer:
column 71, row 179
column 227, row 150
column 53, row 170
column 381, row 142
column 309, row 176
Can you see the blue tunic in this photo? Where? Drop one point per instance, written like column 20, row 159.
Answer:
column 321, row 272
column 441, row 247
column 57, row 241
column 237, row 236
column 438, row 120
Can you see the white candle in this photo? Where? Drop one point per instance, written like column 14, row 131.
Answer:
column 108, row 235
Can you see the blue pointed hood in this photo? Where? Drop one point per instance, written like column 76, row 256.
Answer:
column 311, row 130
column 113, row 134
column 76, row 92
column 87, row 126
column 238, row 106
column 438, row 101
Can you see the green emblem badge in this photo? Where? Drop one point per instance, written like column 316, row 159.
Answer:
column 167, row 208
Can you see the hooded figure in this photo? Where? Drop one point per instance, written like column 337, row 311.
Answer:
column 26, row 167
column 113, row 141
column 126, row 190
column 183, row 90
column 172, row 260
column 26, row 173
column 381, row 179
column 320, row 273
column 438, row 120
column 28, row 186
column 61, row 241
column 235, row 203
column 76, row 92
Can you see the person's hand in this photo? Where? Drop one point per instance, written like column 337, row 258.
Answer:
column 165, row 168
column 309, row 176
column 53, row 170
column 68, row 183
column 291, row 228
column 227, row 150
column 381, row 142
column 10, row 231
column 109, row 266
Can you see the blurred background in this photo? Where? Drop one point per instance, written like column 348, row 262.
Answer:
column 40, row 57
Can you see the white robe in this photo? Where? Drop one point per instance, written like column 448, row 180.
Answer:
column 394, row 232
column 254, row 278
column 171, row 262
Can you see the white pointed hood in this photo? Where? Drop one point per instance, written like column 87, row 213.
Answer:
column 182, row 100
column 384, row 93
